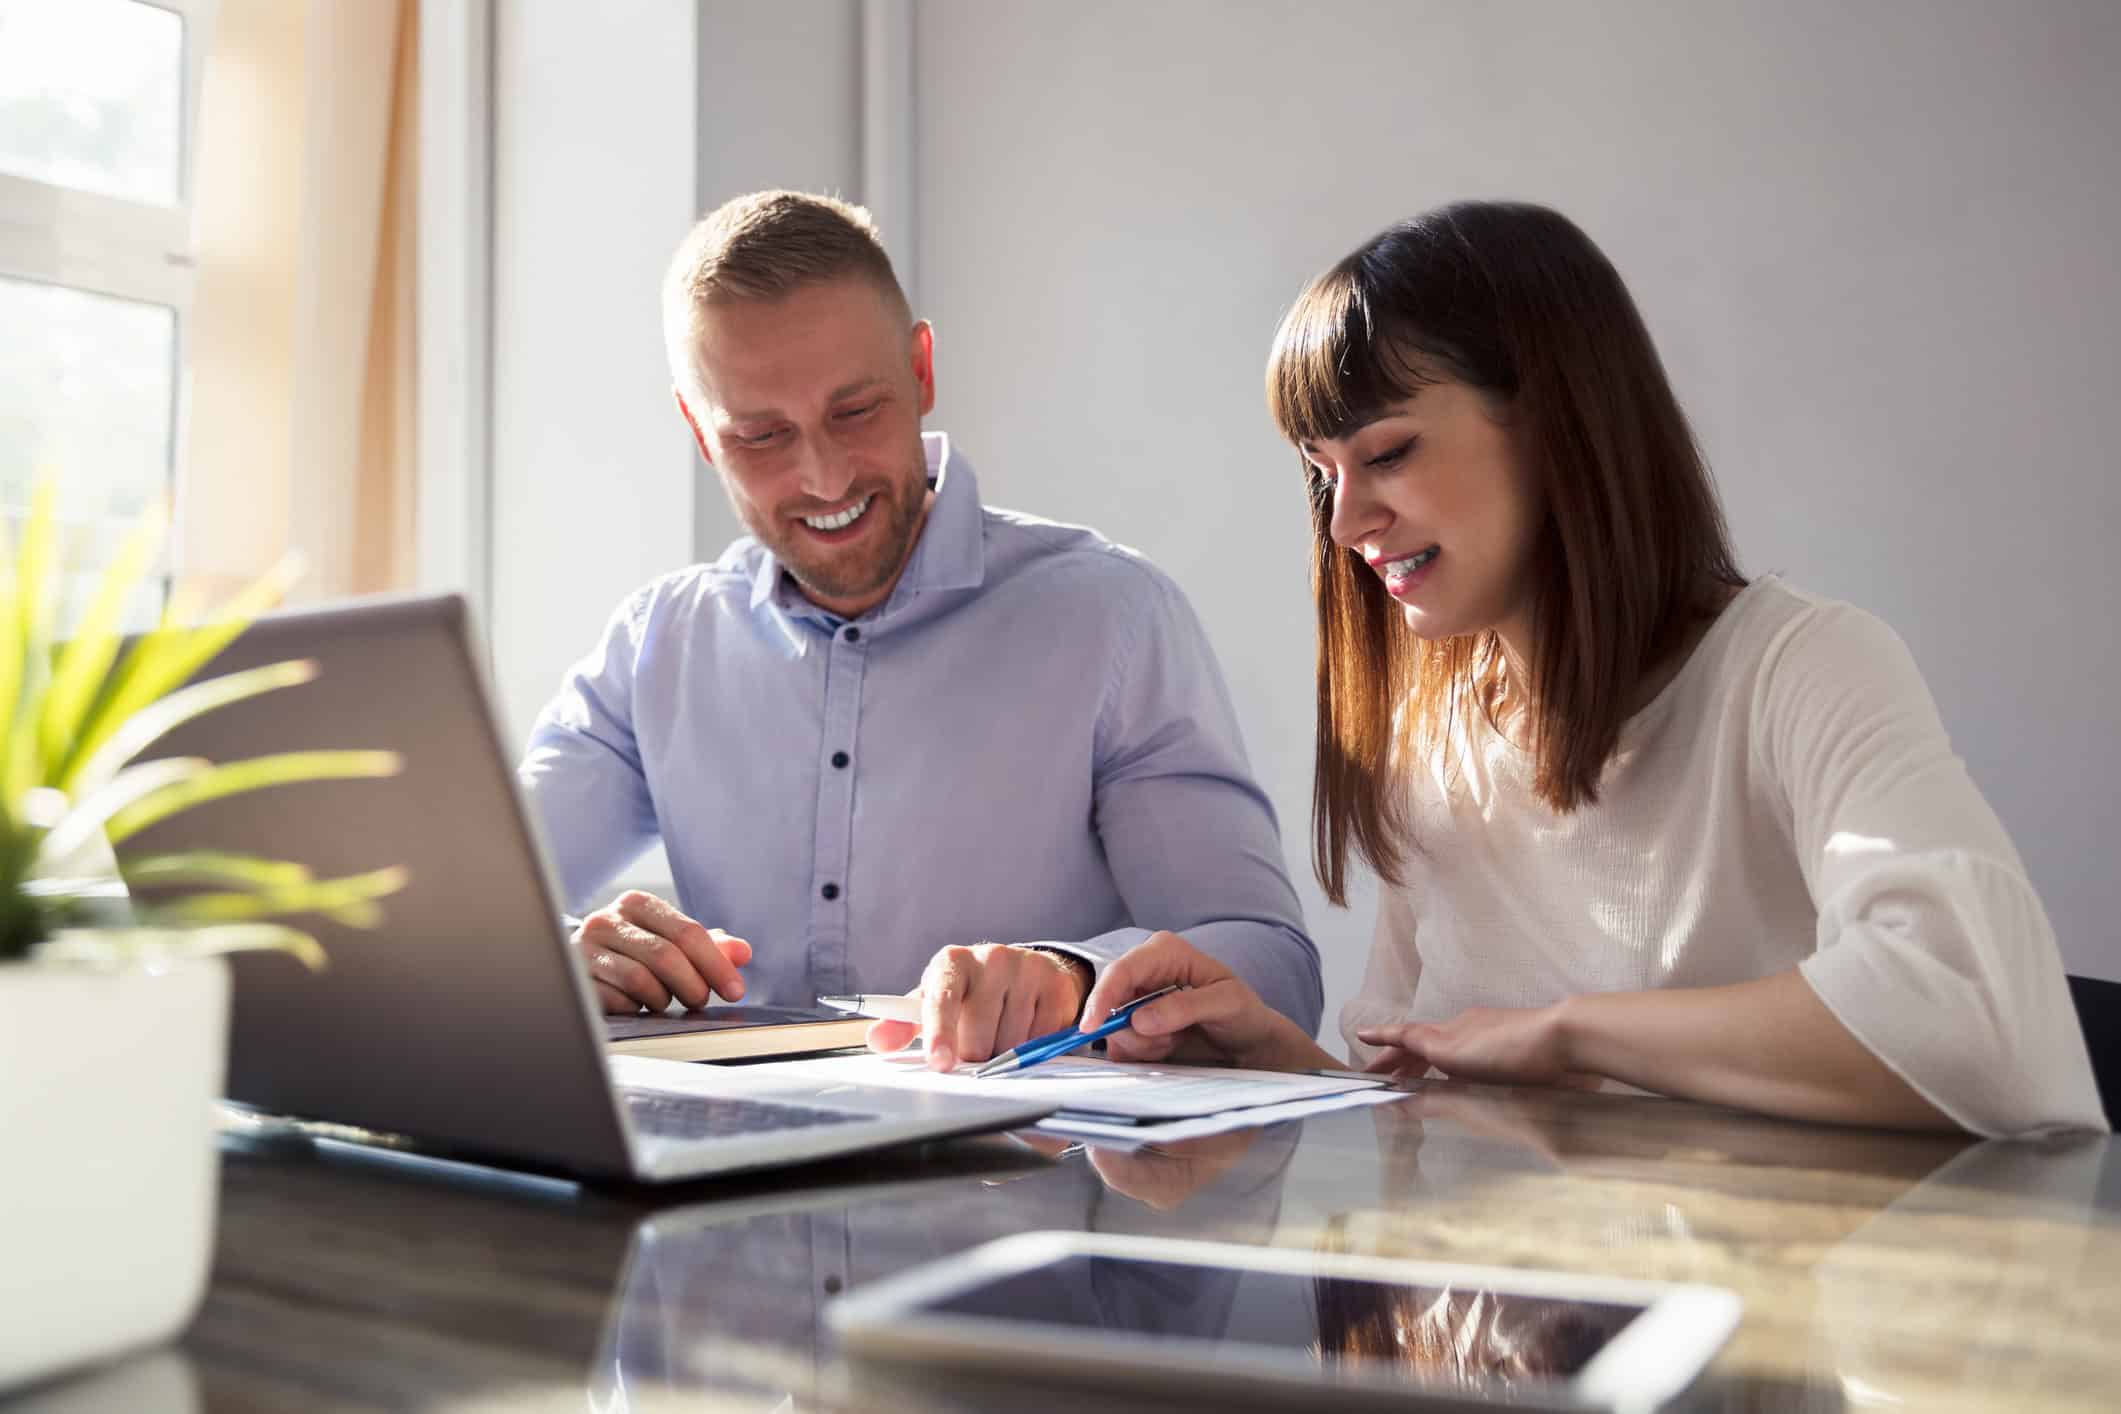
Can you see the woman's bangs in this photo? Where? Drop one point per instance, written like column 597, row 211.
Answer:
column 1332, row 369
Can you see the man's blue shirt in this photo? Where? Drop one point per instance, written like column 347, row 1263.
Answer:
column 1028, row 741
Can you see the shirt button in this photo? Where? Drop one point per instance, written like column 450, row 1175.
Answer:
column 853, row 635
column 830, row 891
column 832, row 1286
column 840, row 760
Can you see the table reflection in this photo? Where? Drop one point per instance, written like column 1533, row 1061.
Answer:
column 1902, row 1271
column 1877, row 1268
column 1991, row 1284
column 156, row 1382
column 724, row 1298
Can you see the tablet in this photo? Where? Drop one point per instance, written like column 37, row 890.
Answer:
column 1214, row 1319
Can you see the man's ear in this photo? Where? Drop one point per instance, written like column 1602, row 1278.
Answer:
column 699, row 438
column 924, row 363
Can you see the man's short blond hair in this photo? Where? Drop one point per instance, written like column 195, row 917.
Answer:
column 763, row 247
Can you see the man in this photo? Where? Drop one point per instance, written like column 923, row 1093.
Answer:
column 892, row 738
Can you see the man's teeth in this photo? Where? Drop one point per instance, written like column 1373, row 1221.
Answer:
column 1407, row 564
column 842, row 519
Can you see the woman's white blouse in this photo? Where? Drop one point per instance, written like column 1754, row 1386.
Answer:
column 1789, row 799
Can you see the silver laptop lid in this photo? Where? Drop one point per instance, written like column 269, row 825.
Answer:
column 462, row 1020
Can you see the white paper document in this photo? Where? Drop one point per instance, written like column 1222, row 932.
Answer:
column 1087, row 1088
column 1171, row 1131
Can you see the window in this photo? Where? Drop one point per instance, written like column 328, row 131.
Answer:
column 98, row 101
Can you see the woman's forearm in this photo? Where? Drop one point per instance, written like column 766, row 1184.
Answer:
column 1769, row 1045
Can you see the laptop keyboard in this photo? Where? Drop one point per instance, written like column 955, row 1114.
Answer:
column 664, row 1114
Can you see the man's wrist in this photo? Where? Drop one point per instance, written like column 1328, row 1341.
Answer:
column 1293, row 1048
column 1076, row 967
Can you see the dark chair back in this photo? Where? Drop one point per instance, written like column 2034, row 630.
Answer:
column 2099, row 1013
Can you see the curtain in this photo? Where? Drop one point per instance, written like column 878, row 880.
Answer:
column 299, row 430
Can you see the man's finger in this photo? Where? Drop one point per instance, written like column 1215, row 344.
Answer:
column 612, row 1000
column 709, row 951
column 1166, row 1016
column 1128, row 1171
column 1123, row 980
column 989, row 978
column 658, row 954
column 888, row 1035
column 628, row 977
column 1056, row 1008
column 657, row 915
column 892, row 1035
column 1131, row 1046
column 1164, row 959
column 942, row 994
column 694, row 942
column 1028, row 987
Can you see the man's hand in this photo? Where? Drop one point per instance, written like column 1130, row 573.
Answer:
column 641, row 952
column 1166, row 1174
column 978, row 1002
column 1216, row 1017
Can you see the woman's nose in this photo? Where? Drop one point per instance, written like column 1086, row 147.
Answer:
column 1357, row 516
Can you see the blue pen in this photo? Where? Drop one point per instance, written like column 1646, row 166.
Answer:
column 1059, row 1043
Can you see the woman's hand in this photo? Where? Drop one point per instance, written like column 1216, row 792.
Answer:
column 1768, row 1045
column 1217, row 1017
column 1502, row 1047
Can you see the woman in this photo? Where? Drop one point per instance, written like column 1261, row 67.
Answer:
column 1636, row 818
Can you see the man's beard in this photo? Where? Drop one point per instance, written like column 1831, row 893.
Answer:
column 862, row 568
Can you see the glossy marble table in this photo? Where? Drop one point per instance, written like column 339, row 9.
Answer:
column 1878, row 1270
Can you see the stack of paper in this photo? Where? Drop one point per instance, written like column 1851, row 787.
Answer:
column 1119, row 1098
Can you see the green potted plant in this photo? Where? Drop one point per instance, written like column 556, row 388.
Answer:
column 114, row 1015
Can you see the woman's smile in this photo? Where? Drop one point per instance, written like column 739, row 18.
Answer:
column 1404, row 574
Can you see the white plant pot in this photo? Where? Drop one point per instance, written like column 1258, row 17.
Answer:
column 109, row 1166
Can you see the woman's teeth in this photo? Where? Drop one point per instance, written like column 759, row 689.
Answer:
column 1407, row 564
column 842, row 519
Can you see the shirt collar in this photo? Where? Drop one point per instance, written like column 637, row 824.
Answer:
column 951, row 552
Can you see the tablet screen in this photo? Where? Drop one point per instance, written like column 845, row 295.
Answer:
column 1450, row 1336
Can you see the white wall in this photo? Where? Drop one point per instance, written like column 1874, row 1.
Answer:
column 593, row 155
column 779, row 94
column 1875, row 244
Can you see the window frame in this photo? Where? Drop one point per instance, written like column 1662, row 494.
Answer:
column 53, row 234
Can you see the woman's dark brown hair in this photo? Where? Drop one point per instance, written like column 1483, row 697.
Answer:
column 1515, row 301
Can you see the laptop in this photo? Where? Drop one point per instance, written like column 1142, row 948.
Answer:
column 464, row 1022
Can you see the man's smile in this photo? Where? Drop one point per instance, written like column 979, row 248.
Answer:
column 839, row 520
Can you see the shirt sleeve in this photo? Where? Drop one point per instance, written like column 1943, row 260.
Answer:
column 1932, row 947
column 1388, row 978
column 1189, row 836
column 582, row 771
